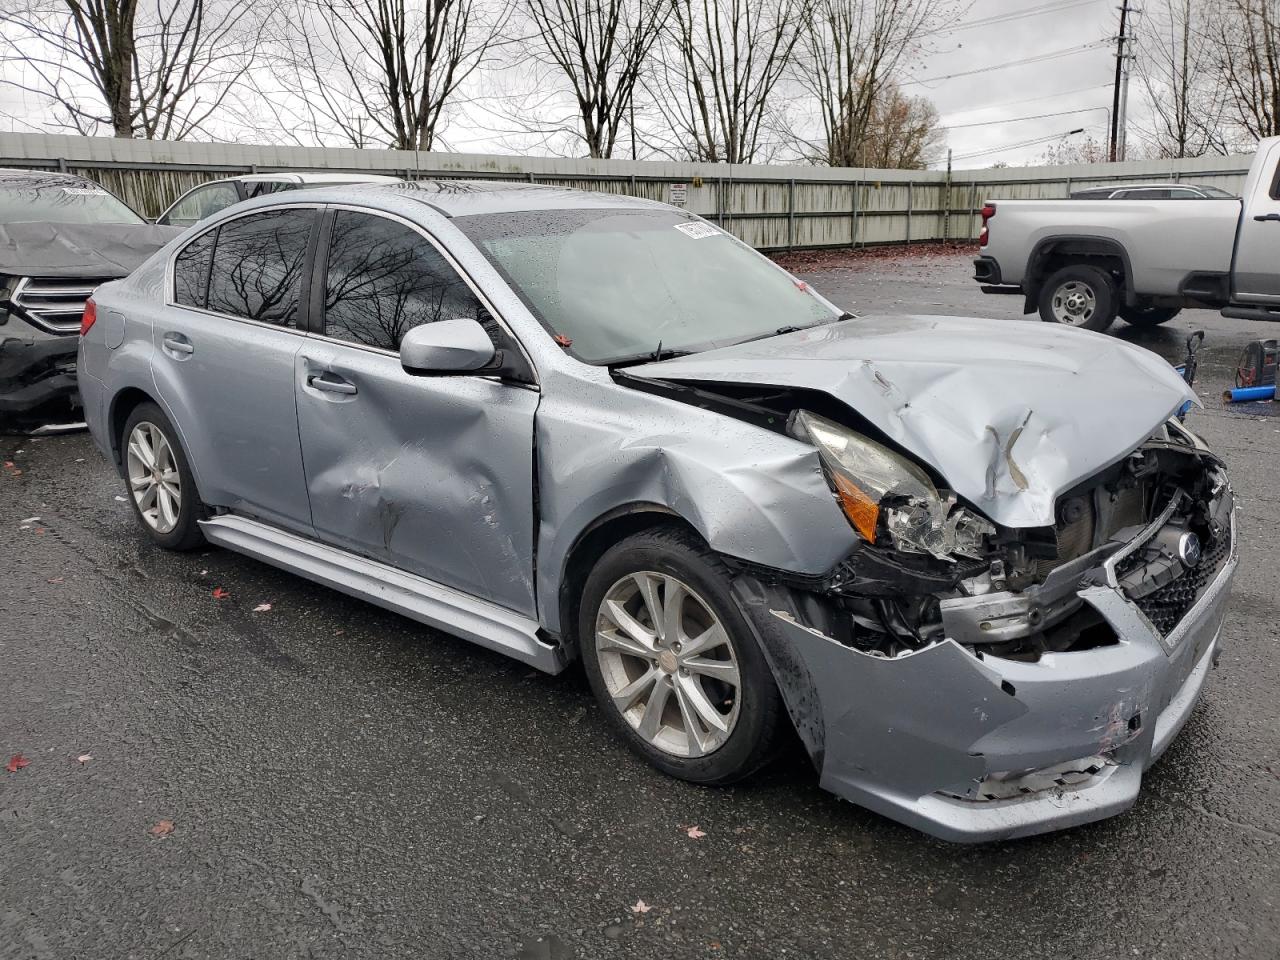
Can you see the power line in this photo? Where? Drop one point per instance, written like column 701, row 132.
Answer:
column 1013, row 146
column 1037, row 116
column 1014, row 103
column 1096, row 44
column 1006, row 17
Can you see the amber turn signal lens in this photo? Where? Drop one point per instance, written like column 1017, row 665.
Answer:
column 861, row 510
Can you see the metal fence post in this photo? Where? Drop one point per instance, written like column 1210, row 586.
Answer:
column 853, row 217
column 791, row 214
column 911, row 202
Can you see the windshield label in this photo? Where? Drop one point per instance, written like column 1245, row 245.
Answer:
column 85, row 192
column 697, row 229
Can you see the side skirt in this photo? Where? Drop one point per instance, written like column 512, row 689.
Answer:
column 426, row 601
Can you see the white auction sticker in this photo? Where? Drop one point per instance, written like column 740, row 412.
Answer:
column 85, row 191
column 697, row 229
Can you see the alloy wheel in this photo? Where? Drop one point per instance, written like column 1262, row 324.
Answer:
column 668, row 664
column 153, row 477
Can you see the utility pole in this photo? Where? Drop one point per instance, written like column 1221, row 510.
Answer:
column 1120, row 94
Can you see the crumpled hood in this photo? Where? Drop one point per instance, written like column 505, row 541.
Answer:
column 40, row 249
column 1011, row 413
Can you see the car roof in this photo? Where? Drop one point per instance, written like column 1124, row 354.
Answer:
column 462, row 198
column 14, row 175
column 317, row 178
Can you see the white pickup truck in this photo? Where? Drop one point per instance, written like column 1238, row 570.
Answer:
column 1084, row 263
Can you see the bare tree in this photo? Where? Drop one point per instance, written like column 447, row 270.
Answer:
column 1175, row 66
column 601, row 47
column 723, row 61
column 1246, row 37
column 901, row 133
column 159, row 70
column 382, row 70
column 847, row 63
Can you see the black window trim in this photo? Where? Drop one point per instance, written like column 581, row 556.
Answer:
column 304, row 313
column 319, row 269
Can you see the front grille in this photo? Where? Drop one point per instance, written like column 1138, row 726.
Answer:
column 1166, row 607
column 55, row 303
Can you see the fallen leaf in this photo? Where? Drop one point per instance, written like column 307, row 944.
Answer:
column 162, row 829
column 31, row 520
column 84, row 758
column 262, row 608
column 220, row 594
column 123, row 499
column 39, row 529
column 641, row 907
column 57, row 579
column 564, row 341
column 16, row 763
column 203, row 572
column 695, row 834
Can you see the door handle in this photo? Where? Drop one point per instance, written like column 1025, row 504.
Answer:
column 1267, row 218
column 178, row 343
column 320, row 382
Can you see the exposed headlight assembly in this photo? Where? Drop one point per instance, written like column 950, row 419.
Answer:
column 886, row 497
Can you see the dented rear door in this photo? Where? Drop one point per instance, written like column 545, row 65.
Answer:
column 433, row 475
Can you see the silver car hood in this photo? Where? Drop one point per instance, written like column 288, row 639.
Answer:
column 1011, row 413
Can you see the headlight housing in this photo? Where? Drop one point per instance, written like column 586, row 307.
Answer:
column 886, row 497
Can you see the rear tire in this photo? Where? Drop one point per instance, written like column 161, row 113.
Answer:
column 1080, row 296
column 158, row 480
column 657, row 674
column 1140, row 316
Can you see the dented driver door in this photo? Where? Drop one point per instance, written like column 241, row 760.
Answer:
column 433, row 475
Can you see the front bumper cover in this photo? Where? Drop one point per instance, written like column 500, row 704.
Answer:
column 919, row 738
column 34, row 372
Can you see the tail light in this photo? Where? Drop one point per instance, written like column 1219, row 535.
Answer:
column 984, row 234
column 90, row 315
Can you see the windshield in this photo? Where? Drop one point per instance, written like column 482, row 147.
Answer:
column 60, row 200
column 617, row 283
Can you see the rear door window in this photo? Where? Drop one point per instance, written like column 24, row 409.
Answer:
column 257, row 266
column 384, row 278
column 191, row 271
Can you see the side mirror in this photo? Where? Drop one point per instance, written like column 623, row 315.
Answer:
column 447, row 347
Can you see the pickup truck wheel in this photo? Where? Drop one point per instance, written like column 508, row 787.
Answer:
column 1079, row 296
column 1148, row 316
column 674, row 664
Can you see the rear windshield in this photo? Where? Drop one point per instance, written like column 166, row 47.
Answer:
column 1217, row 194
column 58, row 200
column 615, row 285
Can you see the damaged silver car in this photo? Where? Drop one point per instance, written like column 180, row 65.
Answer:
column 978, row 566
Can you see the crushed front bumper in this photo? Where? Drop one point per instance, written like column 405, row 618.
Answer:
column 36, row 369
column 975, row 748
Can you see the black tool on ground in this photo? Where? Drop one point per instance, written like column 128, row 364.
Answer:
column 1257, row 365
column 1187, row 369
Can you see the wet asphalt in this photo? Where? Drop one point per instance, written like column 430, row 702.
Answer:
column 322, row 779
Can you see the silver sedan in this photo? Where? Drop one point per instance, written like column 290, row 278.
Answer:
column 978, row 567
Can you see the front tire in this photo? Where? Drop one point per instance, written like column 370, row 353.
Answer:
column 673, row 662
column 1140, row 316
column 158, row 480
column 1080, row 296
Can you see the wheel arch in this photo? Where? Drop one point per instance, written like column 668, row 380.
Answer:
column 591, row 544
column 122, row 404
column 1051, row 254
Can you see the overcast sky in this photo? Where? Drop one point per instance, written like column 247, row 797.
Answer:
column 963, row 71
column 981, row 109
